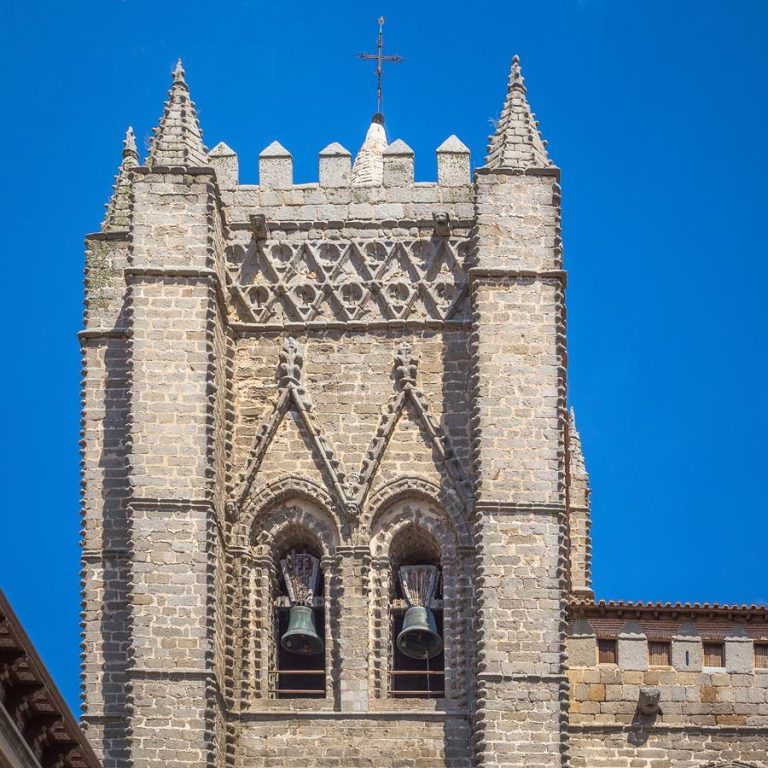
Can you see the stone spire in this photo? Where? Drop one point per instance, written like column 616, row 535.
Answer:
column 579, row 515
column 517, row 143
column 579, row 476
column 119, row 205
column 368, row 170
column 177, row 139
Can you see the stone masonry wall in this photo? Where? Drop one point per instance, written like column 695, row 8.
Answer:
column 705, row 714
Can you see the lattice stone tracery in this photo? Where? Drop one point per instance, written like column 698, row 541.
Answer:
column 276, row 282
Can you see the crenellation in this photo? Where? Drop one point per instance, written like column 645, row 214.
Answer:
column 453, row 157
column 275, row 167
column 397, row 167
column 223, row 160
column 335, row 166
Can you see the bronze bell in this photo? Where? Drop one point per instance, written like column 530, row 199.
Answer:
column 302, row 577
column 419, row 638
column 301, row 636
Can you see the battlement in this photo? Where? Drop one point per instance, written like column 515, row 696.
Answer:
column 339, row 196
column 335, row 167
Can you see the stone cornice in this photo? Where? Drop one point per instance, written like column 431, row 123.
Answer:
column 554, row 172
column 289, row 225
column 175, row 170
column 183, row 273
column 483, row 273
column 98, row 334
column 515, row 508
column 330, row 714
column 722, row 730
column 121, row 235
column 351, row 325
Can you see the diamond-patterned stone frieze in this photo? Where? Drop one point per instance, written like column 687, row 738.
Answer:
column 345, row 281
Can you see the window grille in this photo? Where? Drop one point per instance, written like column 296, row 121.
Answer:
column 761, row 655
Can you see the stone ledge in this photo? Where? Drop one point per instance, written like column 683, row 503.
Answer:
column 280, row 225
column 735, row 730
column 118, row 235
column 93, row 555
column 175, row 170
column 499, row 678
column 481, row 273
column 154, row 503
column 327, row 714
column 483, row 171
column 171, row 674
column 512, row 508
column 352, row 325
column 94, row 334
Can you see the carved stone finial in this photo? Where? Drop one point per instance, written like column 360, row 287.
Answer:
column 291, row 363
column 648, row 703
column 442, row 220
column 259, row 226
column 406, row 364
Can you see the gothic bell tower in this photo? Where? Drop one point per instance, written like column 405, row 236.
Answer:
column 327, row 462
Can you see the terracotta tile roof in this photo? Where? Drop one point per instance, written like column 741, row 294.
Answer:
column 34, row 703
column 639, row 606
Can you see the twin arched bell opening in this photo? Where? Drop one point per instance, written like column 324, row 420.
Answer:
column 301, row 572
column 419, row 638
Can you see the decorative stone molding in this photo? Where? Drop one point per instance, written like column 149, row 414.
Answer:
column 405, row 371
column 406, row 363
column 277, row 282
column 293, row 397
column 290, row 371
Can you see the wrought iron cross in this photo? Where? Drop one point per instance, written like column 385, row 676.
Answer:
column 380, row 58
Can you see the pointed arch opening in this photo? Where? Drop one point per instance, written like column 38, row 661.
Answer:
column 417, row 648
column 283, row 559
column 298, row 643
column 419, row 565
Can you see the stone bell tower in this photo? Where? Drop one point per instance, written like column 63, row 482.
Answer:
column 308, row 409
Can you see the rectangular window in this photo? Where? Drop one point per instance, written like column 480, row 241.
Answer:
column 714, row 655
column 659, row 653
column 606, row 651
column 761, row 655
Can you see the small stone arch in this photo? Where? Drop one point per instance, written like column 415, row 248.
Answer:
column 730, row 764
column 311, row 503
column 264, row 533
column 412, row 511
column 283, row 521
column 388, row 496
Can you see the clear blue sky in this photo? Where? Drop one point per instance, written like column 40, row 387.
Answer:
column 654, row 110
